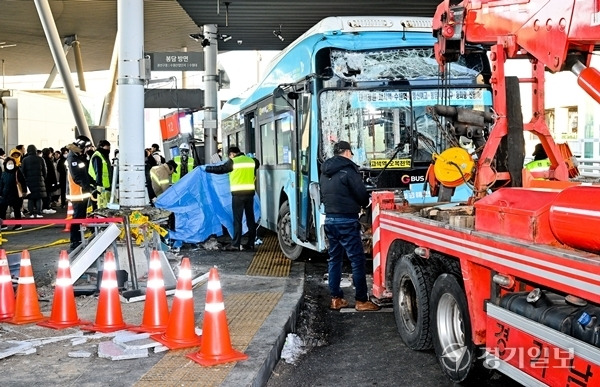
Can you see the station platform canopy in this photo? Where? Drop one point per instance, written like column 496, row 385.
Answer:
column 242, row 25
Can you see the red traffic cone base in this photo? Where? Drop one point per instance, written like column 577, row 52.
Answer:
column 109, row 317
column 7, row 293
column 156, row 308
column 181, row 329
column 216, row 344
column 27, row 308
column 64, row 307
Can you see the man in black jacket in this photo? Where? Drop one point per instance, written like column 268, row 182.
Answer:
column 343, row 193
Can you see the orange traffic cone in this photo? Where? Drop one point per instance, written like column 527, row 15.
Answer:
column 156, row 309
column 7, row 293
column 181, row 329
column 70, row 213
column 64, row 308
column 27, row 309
column 109, row 317
column 216, row 344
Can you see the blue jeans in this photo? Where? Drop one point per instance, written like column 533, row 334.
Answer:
column 344, row 236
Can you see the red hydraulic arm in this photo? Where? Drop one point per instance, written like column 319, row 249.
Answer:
column 554, row 34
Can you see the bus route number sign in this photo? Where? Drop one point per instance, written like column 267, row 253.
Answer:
column 396, row 163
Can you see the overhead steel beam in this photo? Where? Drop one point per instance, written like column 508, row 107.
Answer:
column 60, row 60
column 176, row 99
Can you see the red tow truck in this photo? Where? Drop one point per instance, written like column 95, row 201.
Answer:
column 510, row 279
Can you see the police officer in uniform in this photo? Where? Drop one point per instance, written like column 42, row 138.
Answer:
column 242, row 171
column 78, row 181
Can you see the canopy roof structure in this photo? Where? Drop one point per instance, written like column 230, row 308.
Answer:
column 242, row 25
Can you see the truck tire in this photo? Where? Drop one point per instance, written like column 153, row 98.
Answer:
column 411, row 291
column 452, row 341
column 284, row 233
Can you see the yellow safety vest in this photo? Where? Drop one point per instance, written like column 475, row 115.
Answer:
column 177, row 173
column 538, row 165
column 242, row 176
column 92, row 172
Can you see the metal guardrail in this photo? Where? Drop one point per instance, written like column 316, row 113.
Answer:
column 589, row 167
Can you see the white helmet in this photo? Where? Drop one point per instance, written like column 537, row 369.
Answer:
column 184, row 146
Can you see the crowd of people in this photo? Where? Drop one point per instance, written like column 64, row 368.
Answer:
column 36, row 175
column 34, row 182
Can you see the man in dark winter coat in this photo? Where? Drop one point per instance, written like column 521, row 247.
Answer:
column 51, row 181
column 12, row 189
column 343, row 193
column 34, row 170
column 61, row 168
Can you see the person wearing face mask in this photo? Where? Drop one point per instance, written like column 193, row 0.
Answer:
column 16, row 155
column 61, row 169
column 12, row 189
column 100, row 170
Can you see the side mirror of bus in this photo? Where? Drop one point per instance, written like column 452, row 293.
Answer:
column 293, row 95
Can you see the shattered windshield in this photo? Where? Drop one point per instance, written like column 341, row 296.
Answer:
column 399, row 64
column 381, row 123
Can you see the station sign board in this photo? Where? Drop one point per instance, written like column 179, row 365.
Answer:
column 176, row 61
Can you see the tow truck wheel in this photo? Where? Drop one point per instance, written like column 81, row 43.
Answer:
column 284, row 233
column 412, row 287
column 452, row 342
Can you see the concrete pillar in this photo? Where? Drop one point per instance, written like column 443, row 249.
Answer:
column 61, row 63
column 211, row 84
column 130, row 89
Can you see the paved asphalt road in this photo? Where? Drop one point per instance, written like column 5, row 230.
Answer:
column 356, row 349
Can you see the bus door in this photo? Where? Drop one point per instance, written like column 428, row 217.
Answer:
column 304, row 210
column 250, row 133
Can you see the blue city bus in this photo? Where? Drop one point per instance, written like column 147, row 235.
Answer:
column 368, row 81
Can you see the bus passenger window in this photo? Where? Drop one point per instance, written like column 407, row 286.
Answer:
column 284, row 140
column 268, row 144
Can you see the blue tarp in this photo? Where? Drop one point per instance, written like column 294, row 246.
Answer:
column 201, row 203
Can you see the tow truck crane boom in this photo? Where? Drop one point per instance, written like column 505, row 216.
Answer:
column 554, row 34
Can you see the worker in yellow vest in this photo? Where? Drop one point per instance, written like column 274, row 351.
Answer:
column 100, row 170
column 242, row 173
column 540, row 164
column 184, row 162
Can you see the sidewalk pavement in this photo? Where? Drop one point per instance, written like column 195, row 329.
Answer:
column 262, row 293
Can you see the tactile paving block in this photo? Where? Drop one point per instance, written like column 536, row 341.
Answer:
column 246, row 312
column 269, row 261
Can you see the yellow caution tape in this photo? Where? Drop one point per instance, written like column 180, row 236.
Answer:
column 138, row 234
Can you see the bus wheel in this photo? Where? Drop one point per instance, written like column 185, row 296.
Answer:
column 412, row 287
column 284, row 233
column 452, row 341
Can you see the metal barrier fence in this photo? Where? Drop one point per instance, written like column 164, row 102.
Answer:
column 589, row 167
